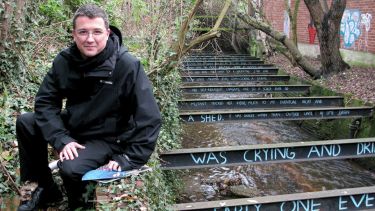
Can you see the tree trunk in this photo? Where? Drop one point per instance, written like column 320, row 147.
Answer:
column 327, row 23
column 294, row 21
column 301, row 61
column 234, row 42
column 5, row 24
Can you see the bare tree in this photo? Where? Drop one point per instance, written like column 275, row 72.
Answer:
column 327, row 22
column 282, row 38
column 293, row 18
column 181, row 47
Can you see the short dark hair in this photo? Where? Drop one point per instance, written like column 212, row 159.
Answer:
column 91, row 11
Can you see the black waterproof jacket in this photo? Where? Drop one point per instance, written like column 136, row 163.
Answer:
column 112, row 102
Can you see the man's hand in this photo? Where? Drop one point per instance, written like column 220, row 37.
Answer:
column 113, row 165
column 69, row 152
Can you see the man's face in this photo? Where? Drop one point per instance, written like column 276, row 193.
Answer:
column 90, row 35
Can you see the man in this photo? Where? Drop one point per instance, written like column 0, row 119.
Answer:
column 110, row 116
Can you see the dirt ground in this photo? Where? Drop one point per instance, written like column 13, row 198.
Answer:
column 357, row 81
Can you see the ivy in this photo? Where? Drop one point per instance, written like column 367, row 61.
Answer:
column 54, row 10
column 42, row 32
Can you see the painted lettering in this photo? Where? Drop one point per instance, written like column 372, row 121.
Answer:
column 342, row 203
column 288, row 102
column 269, row 154
column 234, row 89
column 306, row 102
column 292, row 114
column 262, row 115
column 238, row 116
column 275, row 115
column 191, row 118
column 209, row 158
column 364, row 200
column 300, row 205
column 242, row 103
column 269, row 89
column 318, row 101
column 308, row 113
column 217, row 103
column 196, row 104
column 262, row 78
column 365, row 148
column 211, row 118
column 240, row 208
column 324, row 151
column 252, row 102
column 344, row 113
column 249, row 116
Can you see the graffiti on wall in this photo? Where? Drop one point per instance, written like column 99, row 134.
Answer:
column 365, row 27
column 354, row 29
column 350, row 27
column 312, row 31
column 286, row 24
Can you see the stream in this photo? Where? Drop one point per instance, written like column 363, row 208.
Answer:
column 209, row 184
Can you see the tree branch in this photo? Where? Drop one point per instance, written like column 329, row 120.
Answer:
column 308, row 68
column 10, row 178
column 222, row 14
column 212, row 33
column 206, row 36
column 315, row 7
column 185, row 26
column 324, row 4
column 181, row 48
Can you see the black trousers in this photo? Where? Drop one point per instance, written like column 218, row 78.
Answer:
column 33, row 153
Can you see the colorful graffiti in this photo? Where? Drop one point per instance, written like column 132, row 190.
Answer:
column 354, row 29
column 286, row 24
column 350, row 27
column 312, row 31
column 365, row 28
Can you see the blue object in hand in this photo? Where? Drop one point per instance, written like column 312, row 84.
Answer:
column 103, row 174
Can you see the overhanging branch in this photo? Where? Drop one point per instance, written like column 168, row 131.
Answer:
column 307, row 67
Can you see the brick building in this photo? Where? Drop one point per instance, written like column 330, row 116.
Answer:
column 356, row 33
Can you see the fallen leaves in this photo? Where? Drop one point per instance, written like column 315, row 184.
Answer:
column 27, row 189
column 357, row 81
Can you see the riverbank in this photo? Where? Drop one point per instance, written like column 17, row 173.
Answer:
column 356, row 81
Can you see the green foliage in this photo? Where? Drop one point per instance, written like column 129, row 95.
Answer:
column 74, row 4
column 114, row 12
column 28, row 56
column 54, row 10
column 9, row 67
column 254, row 48
column 129, row 193
column 8, row 152
column 140, row 8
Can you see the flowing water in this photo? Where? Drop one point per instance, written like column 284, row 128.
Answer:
column 217, row 183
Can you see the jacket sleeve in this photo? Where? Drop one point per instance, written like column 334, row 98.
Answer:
column 48, row 104
column 139, row 143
